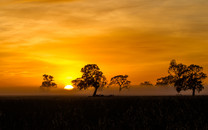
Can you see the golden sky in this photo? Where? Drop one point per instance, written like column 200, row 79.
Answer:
column 134, row 37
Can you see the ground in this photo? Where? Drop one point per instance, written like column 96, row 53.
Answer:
column 93, row 113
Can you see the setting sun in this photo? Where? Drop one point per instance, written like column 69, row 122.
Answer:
column 68, row 87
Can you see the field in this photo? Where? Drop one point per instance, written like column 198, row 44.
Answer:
column 88, row 113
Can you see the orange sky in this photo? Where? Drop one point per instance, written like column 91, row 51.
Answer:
column 134, row 37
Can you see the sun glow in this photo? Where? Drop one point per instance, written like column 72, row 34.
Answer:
column 68, row 87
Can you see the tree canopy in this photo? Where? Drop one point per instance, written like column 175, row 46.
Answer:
column 120, row 80
column 48, row 81
column 146, row 83
column 91, row 77
column 184, row 77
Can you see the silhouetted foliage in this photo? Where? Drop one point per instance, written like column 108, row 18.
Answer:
column 184, row 77
column 120, row 80
column 48, row 81
column 91, row 77
column 146, row 83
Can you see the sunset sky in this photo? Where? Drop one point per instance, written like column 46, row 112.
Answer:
column 134, row 37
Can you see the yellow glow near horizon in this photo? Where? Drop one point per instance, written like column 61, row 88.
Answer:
column 68, row 87
column 54, row 37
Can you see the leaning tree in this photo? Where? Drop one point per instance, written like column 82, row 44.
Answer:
column 184, row 77
column 91, row 77
column 48, row 81
column 120, row 80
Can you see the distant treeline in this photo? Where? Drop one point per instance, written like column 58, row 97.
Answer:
column 181, row 76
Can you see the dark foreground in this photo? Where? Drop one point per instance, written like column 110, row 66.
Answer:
column 103, row 113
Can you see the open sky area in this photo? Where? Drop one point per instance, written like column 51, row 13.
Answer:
column 134, row 37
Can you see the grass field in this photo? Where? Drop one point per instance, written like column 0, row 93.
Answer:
column 64, row 112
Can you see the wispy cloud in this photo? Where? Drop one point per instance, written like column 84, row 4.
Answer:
column 135, row 36
column 48, row 1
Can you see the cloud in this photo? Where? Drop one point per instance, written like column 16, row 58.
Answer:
column 137, row 37
column 48, row 1
column 41, row 1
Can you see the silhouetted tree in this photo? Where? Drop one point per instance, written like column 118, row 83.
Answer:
column 91, row 77
column 120, row 80
column 184, row 77
column 146, row 83
column 48, row 81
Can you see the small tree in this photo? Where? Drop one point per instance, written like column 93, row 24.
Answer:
column 120, row 80
column 146, row 83
column 91, row 77
column 48, row 81
column 184, row 77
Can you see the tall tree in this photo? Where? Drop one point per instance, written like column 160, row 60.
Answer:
column 120, row 80
column 91, row 77
column 48, row 81
column 184, row 77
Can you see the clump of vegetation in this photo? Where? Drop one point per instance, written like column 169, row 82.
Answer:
column 48, row 81
column 184, row 77
column 146, row 83
column 120, row 80
column 105, row 113
column 91, row 77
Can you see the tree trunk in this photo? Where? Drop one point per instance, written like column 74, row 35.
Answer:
column 193, row 94
column 94, row 94
column 120, row 88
